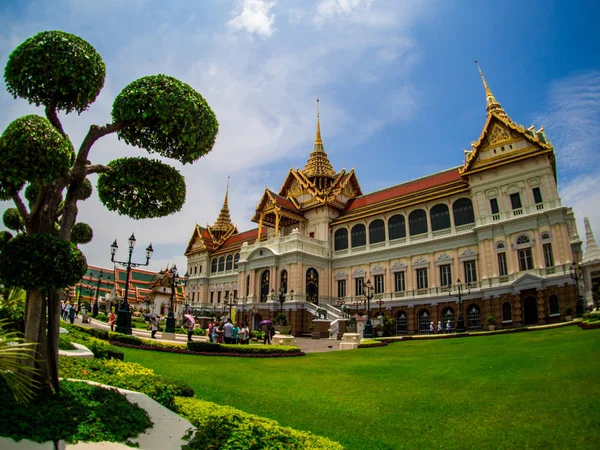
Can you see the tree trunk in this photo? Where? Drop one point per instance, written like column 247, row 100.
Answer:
column 53, row 332
column 35, row 330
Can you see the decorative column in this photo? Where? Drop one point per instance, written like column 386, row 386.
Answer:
column 260, row 224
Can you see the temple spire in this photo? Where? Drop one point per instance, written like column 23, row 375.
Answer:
column 318, row 140
column 492, row 103
column 223, row 222
column 592, row 252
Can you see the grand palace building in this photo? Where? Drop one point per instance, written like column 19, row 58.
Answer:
column 490, row 237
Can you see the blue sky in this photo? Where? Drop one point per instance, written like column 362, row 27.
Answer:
column 400, row 93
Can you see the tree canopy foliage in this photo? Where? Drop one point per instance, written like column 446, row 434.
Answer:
column 56, row 69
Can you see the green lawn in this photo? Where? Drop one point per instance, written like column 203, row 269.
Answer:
column 526, row 390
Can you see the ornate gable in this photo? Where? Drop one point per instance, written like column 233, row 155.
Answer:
column 199, row 242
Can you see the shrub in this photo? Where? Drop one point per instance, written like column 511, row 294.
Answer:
column 222, row 427
column 281, row 319
column 127, row 376
column 100, row 348
column 568, row 310
column 491, row 319
column 125, row 338
column 102, row 318
column 80, row 412
column 64, row 343
column 209, row 347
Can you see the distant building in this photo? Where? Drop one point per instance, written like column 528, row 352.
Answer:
column 495, row 226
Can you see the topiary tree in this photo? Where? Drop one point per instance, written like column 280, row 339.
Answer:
column 61, row 72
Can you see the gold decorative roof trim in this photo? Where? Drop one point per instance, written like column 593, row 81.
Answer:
column 492, row 103
column 223, row 223
column 318, row 164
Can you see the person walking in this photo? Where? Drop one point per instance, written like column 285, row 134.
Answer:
column 190, row 328
column 213, row 335
column 154, row 326
column 448, row 327
column 431, row 329
column 244, row 334
column 71, row 314
column 111, row 321
column 440, row 327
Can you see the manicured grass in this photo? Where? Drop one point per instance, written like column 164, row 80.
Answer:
column 524, row 390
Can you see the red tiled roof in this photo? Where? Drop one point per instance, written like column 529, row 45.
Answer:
column 245, row 236
column 284, row 202
column 403, row 189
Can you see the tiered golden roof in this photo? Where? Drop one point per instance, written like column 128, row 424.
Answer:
column 318, row 164
column 492, row 104
column 223, row 223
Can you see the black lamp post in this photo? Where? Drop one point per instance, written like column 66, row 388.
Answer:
column 96, row 306
column 380, row 302
column 79, row 297
column 369, row 290
column 174, row 277
column 230, row 303
column 123, row 313
column 575, row 272
column 186, row 279
column 460, row 325
column 342, row 304
column 281, row 299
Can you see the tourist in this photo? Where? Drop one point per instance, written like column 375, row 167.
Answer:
column 211, row 327
column 431, row 331
column 154, row 326
column 244, row 333
column 228, row 331
column 439, row 327
column 220, row 333
column 448, row 327
column 72, row 313
column 190, row 327
column 111, row 321
column 213, row 334
column 234, row 333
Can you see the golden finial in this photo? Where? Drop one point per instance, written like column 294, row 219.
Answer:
column 223, row 222
column 318, row 138
column 226, row 192
column 492, row 103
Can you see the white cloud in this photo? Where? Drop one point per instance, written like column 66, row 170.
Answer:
column 572, row 118
column 254, row 16
column 328, row 9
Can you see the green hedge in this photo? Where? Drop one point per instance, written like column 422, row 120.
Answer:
column 127, row 376
column 101, row 317
column 100, row 348
column 222, row 427
column 236, row 348
column 80, row 412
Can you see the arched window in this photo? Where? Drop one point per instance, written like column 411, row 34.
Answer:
column 424, row 321
column 341, row 239
column 473, row 318
column 221, row 264
column 462, row 210
column 283, row 281
column 213, row 265
column 506, row 312
column 358, row 235
column 500, row 246
column 312, row 286
column 264, row 286
column 396, row 227
column 229, row 262
column 236, row 259
column 376, row 231
column 247, row 285
column 522, row 240
column 417, row 222
column 440, row 217
column 401, row 323
column 448, row 319
column 554, row 306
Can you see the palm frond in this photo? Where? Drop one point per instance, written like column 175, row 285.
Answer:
column 15, row 354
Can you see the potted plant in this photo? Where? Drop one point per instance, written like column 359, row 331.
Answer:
column 491, row 320
column 282, row 324
column 351, row 325
column 568, row 311
column 379, row 329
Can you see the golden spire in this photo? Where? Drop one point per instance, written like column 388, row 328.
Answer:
column 492, row 103
column 318, row 138
column 318, row 164
column 223, row 222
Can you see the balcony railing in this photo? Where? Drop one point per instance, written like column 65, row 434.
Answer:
column 518, row 212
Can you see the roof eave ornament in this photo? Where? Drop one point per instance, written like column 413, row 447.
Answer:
column 492, row 104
